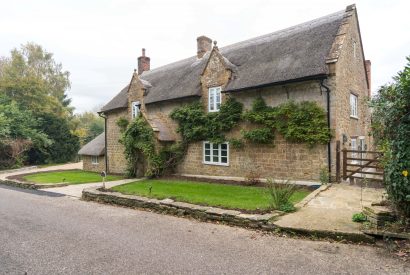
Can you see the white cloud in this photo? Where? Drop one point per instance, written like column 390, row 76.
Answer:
column 99, row 41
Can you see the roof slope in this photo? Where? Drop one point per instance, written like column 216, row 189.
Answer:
column 96, row 147
column 293, row 53
column 119, row 101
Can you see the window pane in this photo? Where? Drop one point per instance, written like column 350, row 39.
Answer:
column 207, row 158
column 215, row 146
column 215, row 152
column 224, row 159
column 207, row 146
column 224, row 153
column 207, row 152
column 224, row 146
column 215, row 159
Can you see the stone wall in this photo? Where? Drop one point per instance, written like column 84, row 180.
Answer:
column 350, row 77
column 89, row 166
column 281, row 160
column 117, row 163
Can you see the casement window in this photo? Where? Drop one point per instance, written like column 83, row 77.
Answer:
column 214, row 99
column 135, row 105
column 217, row 154
column 353, row 146
column 94, row 159
column 353, row 106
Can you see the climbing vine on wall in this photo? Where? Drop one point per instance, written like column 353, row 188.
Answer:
column 196, row 125
column 139, row 141
column 303, row 122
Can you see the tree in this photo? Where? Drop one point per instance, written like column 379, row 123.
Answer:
column 87, row 126
column 65, row 145
column 33, row 92
column 391, row 130
column 18, row 133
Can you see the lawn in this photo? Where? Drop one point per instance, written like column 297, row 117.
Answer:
column 211, row 194
column 70, row 177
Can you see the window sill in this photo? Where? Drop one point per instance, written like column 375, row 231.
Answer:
column 354, row 117
column 215, row 163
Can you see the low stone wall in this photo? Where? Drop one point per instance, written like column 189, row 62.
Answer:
column 168, row 206
column 29, row 185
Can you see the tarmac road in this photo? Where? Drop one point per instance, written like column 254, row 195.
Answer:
column 47, row 233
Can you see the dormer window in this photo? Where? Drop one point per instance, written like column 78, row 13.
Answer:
column 214, row 99
column 135, row 109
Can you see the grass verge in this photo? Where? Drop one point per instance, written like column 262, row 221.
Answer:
column 227, row 196
column 69, row 177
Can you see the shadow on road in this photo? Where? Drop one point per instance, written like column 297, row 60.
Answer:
column 32, row 191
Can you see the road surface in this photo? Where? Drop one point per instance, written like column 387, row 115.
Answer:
column 46, row 233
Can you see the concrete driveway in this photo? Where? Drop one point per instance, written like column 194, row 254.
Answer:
column 48, row 233
column 332, row 210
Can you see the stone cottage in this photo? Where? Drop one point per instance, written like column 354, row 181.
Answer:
column 93, row 154
column 321, row 61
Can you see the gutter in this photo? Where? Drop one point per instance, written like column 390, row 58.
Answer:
column 329, row 152
column 101, row 114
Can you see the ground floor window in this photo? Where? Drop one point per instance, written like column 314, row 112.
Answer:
column 94, row 159
column 217, row 154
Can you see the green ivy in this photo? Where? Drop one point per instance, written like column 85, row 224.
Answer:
column 196, row 125
column 303, row 122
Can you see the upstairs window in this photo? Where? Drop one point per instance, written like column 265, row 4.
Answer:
column 135, row 109
column 214, row 99
column 353, row 106
column 217, row 154
column 94, row 159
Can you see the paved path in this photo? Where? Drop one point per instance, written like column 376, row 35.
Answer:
column 332, row 209
column 46, row 233
column 75, row 190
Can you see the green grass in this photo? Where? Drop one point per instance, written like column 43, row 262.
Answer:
column 218, row 195
column 70, row 177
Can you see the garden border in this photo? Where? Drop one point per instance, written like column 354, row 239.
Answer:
column 30, row 185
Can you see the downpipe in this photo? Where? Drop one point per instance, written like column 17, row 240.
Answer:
column 329, row 152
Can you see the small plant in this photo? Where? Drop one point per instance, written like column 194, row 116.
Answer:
column 324, row 175
column 253, row 174
column 359, row 217
column 280, row 194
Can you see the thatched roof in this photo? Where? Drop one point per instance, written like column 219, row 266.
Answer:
column 294, row 53
column 96, row 147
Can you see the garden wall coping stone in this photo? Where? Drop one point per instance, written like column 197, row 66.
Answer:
column 169, row 206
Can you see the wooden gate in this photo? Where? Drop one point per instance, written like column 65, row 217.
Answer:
column 358, row 164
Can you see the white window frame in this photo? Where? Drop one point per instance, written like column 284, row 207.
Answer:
column 354, row 102
column 353, row 146
column 214, row 94
column 135, row 106
column 94, row 159
column 211, row 153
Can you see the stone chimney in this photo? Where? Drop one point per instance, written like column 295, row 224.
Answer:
column 204, row 44
column 368, row 66
column 143, row 62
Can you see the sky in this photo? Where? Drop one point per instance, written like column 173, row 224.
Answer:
column 99, row 41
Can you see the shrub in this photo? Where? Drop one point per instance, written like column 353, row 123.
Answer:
column 324, row 175
column 280, row 194
column 391, row 130
column 359, row 217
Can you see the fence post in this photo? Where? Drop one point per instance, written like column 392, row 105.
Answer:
column 344, row 164
column 338, row 161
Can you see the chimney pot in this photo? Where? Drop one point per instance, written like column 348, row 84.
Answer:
column 204, row 44
column 143, row 62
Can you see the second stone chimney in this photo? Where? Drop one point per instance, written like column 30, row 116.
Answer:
column 204, row 44
column 368, row 66
column 143, row 62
